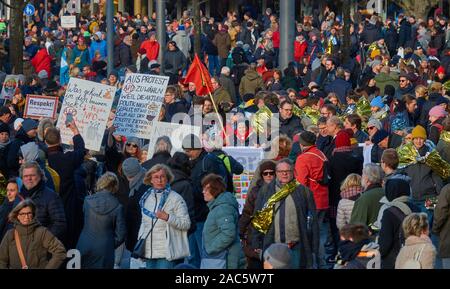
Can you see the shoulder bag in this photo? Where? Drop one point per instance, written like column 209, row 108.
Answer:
column 19, row 250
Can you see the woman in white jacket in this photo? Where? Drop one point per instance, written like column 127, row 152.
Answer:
column 165, row 221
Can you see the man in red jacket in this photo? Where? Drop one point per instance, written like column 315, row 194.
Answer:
column 42, row 61
column 300, row 48
column 309, row 171
column 151, row 47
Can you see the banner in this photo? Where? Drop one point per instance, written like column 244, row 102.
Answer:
column 90, row 104
column 9, row 86
column 139, row 104
column 39, row 106
column 249, row 157
column 68, row 22
column 176, row 132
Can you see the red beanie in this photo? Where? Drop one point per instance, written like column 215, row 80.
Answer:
column 342, row 139
column 440, row 69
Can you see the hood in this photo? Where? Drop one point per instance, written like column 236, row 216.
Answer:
column 225, row 198
column 251, row 74
column 179, row 175
column 30, row 151
column 181, row 33
column 395, row 188
column 370, row 26
column 44, row 124
column 102, row 202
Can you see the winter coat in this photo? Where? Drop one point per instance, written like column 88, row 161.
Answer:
column 220, row 231
column 391, row 39
column 179, row 106
column 122, row 56
column 300, row 50
column 305, row 206
column 183, row 42
column 13, row 152
column 84, row 57
column 151, row 49
column 66, row 165
column 428, row 105
column 341, row 87
column 174, row 61
column 382, row 79
column 424, row 182
column 98, row 46
column 366, row 207
column 309, row 169
column 104, row 230
column 222, row 41
column 168, row 239
column 182, row 184
column 344, row 212
column 341, row 165
column 404, row 37
column 443, row 149
column 291, row 126
column 370, row 34
column 441, row 222
column 42, row 61
column 49, row 209
column 417, row 245
column 157, row 158
column 228, row 86
column 250, row 83
column 434, row 130
column 37, row 243
column 5, row 209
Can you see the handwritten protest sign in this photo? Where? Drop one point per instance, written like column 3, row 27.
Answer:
column 140, row 104
column 249, row 157
column 68, row 22
column 176, row 133
column 89, row 103
column 37, row 106
column 9, row 86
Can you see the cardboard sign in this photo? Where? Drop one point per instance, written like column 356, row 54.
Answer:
column 39, row 106
column 176, row 133
column 90, row 104
column 9, row 86
column 140, row 104
column 68, row 22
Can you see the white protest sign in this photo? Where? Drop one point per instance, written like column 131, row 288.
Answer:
column 249, row 157
column 139, row 104
column 69, row 22
column 37, row 106
column 176, row 132
column 9, row 86
column 90, row 104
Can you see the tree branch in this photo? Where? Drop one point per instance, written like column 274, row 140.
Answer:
column 12, row 6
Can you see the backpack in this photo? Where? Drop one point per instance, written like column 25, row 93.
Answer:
column 220, row 165
column 227, row 163
column 325, row 176
column 414, row 263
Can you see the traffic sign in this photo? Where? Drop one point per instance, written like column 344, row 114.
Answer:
column 29, row 10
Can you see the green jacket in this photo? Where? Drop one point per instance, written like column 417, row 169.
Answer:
column 250, row 83
column 384, row 79
column 220, row 231
column 367, row 206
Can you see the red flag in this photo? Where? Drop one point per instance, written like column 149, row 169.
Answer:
column 199, row 75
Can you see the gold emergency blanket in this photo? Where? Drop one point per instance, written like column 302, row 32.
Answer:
column 262, row 220
column 261, row 119
column 445, row 136
column 363, row 108
column 408, row 155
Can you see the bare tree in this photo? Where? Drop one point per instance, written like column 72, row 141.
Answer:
column 16, row 34
column 418, row 8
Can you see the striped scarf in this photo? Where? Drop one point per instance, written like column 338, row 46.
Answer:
column 352, row 193
column 165, row 194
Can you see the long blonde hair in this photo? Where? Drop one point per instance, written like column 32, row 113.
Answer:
column 352, row 180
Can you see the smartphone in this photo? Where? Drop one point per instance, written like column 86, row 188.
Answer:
column 69, row 118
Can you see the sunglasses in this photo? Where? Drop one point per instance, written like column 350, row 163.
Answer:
column 370, row 128
column 403, row 80
column 268, row 173
column 132, row 144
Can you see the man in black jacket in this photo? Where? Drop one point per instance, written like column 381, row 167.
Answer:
column 65, row 164
column 289, row 123
column 27, row 133
column 49, row 208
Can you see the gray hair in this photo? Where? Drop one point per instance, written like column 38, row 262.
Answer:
column 23, row 204
column 32, row 165
column 373, row 173
column 225, row 70
column 285, row 161
column 336, row 121
column 108, row 182
column 163, row 144
column 155, row 169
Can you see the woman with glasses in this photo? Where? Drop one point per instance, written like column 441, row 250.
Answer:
column 263, row 175
column 29, row 245
column 165, row 221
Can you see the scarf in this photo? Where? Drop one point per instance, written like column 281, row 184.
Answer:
column 3, row 145
column 263, row 218
column 165, row 193
column 136, row 182
column 352, row 193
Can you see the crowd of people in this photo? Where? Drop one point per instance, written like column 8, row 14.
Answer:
column 360, row 178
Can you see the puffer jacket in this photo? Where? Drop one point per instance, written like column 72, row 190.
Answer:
column 37, row 242
column 158, row 244
column 220, row 231
column 250, row 82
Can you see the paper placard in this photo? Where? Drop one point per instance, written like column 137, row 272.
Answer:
column 9, row 86
column 90, row 104
column 39, row 106
column 140, row 104
column 68, row 22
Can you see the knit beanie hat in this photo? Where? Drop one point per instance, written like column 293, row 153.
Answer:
column 379, row 136
column 374, row 122
column 342, row 139
column 278, row 255
column 131, row 167
column 419, row 132
column 437, row 111
column 377, row 102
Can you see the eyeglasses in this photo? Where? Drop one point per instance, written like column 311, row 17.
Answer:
column 132, row 144
column 284, row 172
column 26, row 214
column 268, row 173
column 403, row 80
